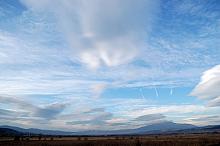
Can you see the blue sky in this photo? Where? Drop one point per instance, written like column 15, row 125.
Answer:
column 79, row 65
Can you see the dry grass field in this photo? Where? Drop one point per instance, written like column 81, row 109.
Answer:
column 156, row 140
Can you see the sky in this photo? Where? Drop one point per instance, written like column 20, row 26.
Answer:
column 79, row 65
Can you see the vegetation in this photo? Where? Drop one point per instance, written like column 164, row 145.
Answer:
column 154, row 140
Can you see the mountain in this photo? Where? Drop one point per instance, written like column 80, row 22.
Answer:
column 37, row 131
column 205, row 129
column 157, row 128
column 150, row 129
column 212, row 127
column 9, row 132
column 164, row 127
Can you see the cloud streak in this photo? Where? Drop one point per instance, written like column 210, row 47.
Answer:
column 77, row 50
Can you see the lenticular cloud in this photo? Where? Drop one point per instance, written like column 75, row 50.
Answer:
column 209, row 86
column 101, row 32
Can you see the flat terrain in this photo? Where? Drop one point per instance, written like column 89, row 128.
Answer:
column 154, row 140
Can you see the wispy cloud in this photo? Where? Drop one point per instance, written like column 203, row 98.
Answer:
column 203, row 120
column 208, row 87
column 74, row 51
column 150, row 117
column 102, row 33
column 29, row 110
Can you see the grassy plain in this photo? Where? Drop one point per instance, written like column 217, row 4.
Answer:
column 149, row 140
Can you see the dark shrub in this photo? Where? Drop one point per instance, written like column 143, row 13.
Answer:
column 17, row 138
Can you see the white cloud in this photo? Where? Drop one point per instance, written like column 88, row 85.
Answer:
column 98, row 89
column 36, row 62
column 30, row 110
column 209, row 86
column 167, row 109
column 100, row 32
column 203, row 120
column 215, row 102
column 35, row 72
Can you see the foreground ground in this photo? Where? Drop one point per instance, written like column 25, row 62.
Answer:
column 154, row 140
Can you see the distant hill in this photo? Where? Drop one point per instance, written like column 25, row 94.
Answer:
column 150, row 129
column 37, row 131
column 205, row 129
column 158, row 128
column 163, row 127
column 9, row 132
column 212, row 127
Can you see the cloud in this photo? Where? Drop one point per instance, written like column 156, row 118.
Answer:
column 101, row 33
column 208, row 87
column 43, row 71
column 128, row 43
column 95, row 110
column 4, row 113
column 97, row 89
column 93, row 118
column 48, row 68
column 166, row 109
column 206, row 118
column 203, row 120
column 150, row 117
column 17, row 103
column 25, row 109
column 215, row 102
column 50, row 111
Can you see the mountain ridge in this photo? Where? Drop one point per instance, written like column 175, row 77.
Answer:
column 37, row 131
column 149, row 129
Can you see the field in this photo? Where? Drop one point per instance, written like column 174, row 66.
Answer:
column 153, row 140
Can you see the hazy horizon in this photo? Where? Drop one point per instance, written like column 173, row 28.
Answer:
column 75, row 65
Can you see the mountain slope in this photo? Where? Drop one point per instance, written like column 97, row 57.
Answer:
column 164, row 127
column 158, row 128
column 150, row 129
column 205, row 129
column 9, row 132
column 37, row 131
